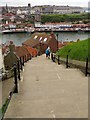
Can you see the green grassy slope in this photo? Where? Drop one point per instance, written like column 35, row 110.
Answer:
column 77, row 51
column 64, row 17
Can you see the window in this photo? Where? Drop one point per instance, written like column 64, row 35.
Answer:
column 45, row 39
column 35, row 37
column 40, row 39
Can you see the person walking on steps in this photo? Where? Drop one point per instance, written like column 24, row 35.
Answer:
column 47, row 52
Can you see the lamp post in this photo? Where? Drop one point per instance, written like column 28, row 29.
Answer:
column 57, row 41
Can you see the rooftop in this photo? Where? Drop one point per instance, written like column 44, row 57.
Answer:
column 38, row 38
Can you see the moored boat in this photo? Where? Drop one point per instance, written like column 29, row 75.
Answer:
column 14, row 31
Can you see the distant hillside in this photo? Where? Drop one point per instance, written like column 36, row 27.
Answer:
column 77, row 51
column 64, row 18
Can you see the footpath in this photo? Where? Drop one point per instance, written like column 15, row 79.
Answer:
column 49, row 90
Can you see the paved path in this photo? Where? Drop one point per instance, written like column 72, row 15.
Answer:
column 0, row 94
column 49, row 90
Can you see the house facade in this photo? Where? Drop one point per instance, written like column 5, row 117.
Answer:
column 41, row 41
column 52, row 9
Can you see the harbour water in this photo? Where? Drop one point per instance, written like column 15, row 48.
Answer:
column 18, row 38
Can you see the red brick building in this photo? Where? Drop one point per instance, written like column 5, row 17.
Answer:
column 13, row 53
column 22, row 52
column 32, row 51
column 41, row 41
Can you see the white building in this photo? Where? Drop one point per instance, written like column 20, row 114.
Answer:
column 12, row 18
column 19, row 12
column 35, row 8
column 48, row 9
column 12, row 26
column 67, row 9
column 22, row 12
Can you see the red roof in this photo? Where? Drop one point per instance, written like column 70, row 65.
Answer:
column 21, row 51
column 32, row 51
column 9, row 14
column 80, row 25
column 61, row 44
column 38, row 38
column 29, row 25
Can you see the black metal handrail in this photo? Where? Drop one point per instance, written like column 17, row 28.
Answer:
column 55, row 58
column 17, row 67
column 14, row 90
column 16, row 75
column 87, row 68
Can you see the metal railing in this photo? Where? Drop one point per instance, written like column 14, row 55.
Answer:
column 55, row 58
column 87, row 71
column 16, row 75
column 17, row 68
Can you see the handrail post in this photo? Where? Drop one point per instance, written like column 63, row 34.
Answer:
column 52, row 56
column 67, row 61
column 27, row 57
column 15, row 78
column 23, row 60
column 58, row 59
column 86, row 71
column 30, row 57
column 21, row 63
column 18, row 66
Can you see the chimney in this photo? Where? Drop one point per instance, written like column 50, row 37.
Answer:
column 29, row 10
column 11, row 46
column 52, row 35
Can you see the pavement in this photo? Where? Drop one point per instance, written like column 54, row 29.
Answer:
column 0, row 94
column 7, row 86
column 49, row 90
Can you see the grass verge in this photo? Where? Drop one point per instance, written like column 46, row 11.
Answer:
column 76, row 50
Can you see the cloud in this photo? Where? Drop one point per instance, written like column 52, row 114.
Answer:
column 45, row 2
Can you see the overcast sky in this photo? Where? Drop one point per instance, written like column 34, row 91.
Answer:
column 82, row 3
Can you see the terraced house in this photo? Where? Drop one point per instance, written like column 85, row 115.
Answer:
column 41, row 41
